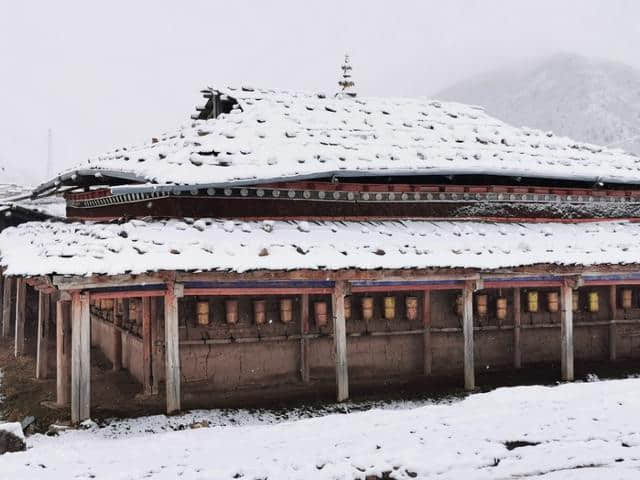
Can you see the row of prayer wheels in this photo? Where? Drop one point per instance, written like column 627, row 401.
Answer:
column 533, row 304
column 320, row 310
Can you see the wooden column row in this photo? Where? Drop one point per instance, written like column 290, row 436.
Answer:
column 42, row 349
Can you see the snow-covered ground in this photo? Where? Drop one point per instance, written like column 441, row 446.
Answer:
column 571, row 431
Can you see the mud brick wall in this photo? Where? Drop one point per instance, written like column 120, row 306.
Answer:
column 102, row 337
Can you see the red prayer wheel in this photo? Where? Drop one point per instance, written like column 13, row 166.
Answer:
column 411, row 304
column 320, row 313
column 231, row 311
column 259, row 311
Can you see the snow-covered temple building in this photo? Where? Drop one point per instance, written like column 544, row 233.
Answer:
column 297, row 243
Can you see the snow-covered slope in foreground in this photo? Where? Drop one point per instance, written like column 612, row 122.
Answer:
column 575, row 431
column 590, row 100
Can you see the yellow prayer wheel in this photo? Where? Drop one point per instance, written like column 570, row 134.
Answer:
column 532, row 301
column 202, row 309
column 481, row 305
column 367, row 308
column 347, row 308
column 389, row 308
column 320, row 313
column 553, row 302
column 259, row 312
column 411, row 304
column 594, row 305
column 231, row 311
column 626, row 298
column 458, row 306
column 575, row 301
column 286, row 310
column 501, row 308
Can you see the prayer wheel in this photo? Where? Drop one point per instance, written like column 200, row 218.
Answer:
column 367, row 308
column 532, row 301
column 108, row 304
column 411, row 304
column 347, row 308
column 575, row 301
column 202, row 309
column 259, row 311
column 231, row 311
column 458, row 306
column 553, row 301
column 594, row 304
column 481, row 305
column 133, row 310
column 320, row 313
column 626, row 298
column 389, row 308
column 501, row 308
column 286, row 310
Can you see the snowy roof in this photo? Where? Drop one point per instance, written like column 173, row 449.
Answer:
column 140, row 246
column 15, row 197
column 272, row 135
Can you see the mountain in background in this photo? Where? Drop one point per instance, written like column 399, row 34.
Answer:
column 590, row 100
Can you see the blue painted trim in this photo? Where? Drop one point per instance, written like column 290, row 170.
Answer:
column 134, row 288
column 373, row 283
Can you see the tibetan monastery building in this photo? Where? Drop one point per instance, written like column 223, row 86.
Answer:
column 294, row 242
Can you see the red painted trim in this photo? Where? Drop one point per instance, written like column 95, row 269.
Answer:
column 211, row 292
column 612, row 282
column 516, row 283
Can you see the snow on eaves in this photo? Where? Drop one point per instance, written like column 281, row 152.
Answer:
column 138, row 246
column 273, row 135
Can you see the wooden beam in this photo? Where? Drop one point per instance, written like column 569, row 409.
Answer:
column 21, row 293
column 467, row 327
column 63, row 351
column 613, row 333
column 426, row 323
column 42, row 350
column 304, row 342
column 146, row 346
column 6, row 306
column 172, row 347
column 517, row 329
column 80, row 358
column 340, row 340
column 157, row 333
column 118, row 321
column 566, row 333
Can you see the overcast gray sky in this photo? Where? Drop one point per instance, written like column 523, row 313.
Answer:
column 113, row 73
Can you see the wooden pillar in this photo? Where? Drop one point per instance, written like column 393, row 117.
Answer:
column 157, row 344
column 80, row 358
column 118, row 321
column 467, row 327
column 21, row 293
column 566, row 333
column 304, row 342
column 517, row 329
column 146, row 346
column 613, row 334
column 6, row 306
column 42, row 351
column 63, row 350
column 340, row 340
column 426, row 323
column 172, row 347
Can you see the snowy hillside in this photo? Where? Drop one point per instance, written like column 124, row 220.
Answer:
column 589, row 100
